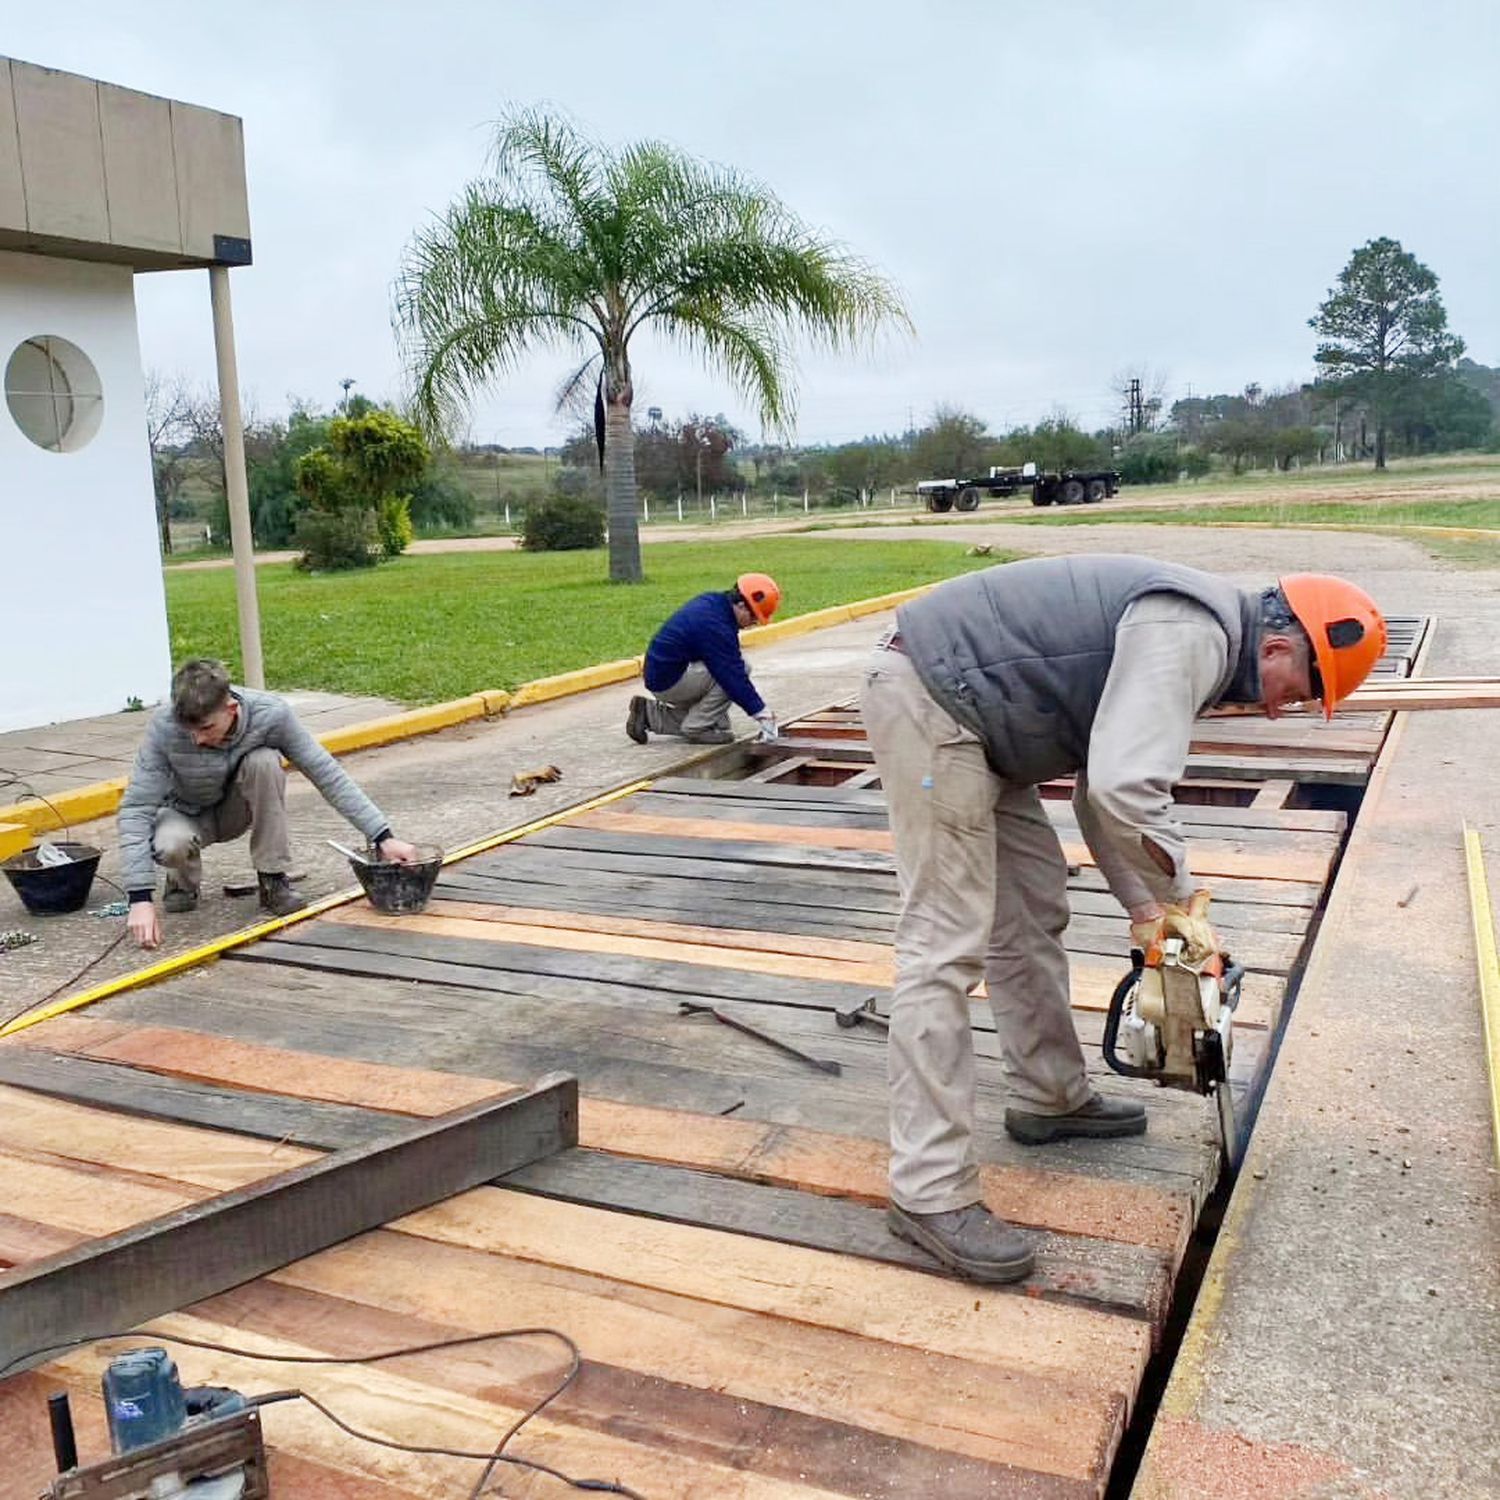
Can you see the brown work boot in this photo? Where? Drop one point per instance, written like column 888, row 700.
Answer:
column 179, row 898
column 638, row 721
column 277, row 895
column 1096, row 1116
column 971, row 1241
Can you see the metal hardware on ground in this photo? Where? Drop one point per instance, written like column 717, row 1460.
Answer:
column 823, row 1064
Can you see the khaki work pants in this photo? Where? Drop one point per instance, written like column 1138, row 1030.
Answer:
column 693, row 703
column 256, row 799
column 983, row 886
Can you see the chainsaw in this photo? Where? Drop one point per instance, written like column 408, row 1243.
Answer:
column 1172, row 1021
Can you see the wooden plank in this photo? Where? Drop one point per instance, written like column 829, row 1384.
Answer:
column 812, row 1161
column 707, row 793
column 1000, row 1413
column 1273, row 795
column 668, row 1420
column 1255, row 949
column 865, row 849
column 698, row 1070
column 206, row 1248
column 882, row 1302
column 271, row 1117
column 1125, row 1279
column 779, row 769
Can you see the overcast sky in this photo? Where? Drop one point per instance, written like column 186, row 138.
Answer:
column 1064, row 190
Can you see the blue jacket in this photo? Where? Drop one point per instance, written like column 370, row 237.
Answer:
column 702, row 630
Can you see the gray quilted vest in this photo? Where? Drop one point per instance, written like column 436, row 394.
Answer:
column 1020, row 653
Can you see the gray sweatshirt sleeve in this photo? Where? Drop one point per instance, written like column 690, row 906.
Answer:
column 146, row 793
column 338, row 787
column 1170, row 657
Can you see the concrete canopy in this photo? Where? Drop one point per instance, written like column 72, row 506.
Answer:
column 91, row 171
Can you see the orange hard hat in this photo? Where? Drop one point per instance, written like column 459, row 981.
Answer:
column 1345, row 628
column 760, row 593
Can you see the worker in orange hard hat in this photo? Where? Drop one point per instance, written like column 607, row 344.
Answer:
column 993, row 683
column 1345, row 631
column 694, row 667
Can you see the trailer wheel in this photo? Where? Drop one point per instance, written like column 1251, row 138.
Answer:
column 1038, row 498
column 939, row 503
column 1072, row 492
column 968, row 499
column 1097, row 491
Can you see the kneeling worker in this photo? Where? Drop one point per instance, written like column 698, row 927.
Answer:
column 695, row 669
column 989, row 686
column 208, row 770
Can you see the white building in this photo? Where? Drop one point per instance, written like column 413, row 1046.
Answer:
column 97, row 184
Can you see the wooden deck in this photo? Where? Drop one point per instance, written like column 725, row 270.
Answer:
column 715, row 1244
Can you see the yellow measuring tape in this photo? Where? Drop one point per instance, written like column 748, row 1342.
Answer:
column 1489, row 969
column 195, row 956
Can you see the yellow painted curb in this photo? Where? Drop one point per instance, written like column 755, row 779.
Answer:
column 1489, row 969
column 14, row 837
column 101, row 798
column 601, row 674
column 413, row 722
column 211, row 950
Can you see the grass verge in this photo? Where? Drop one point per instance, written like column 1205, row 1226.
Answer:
column 424, row 629
column 1480, row 513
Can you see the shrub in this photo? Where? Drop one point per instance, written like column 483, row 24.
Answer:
column 564, row 523
column 1149, row 458
column 393, row 521
column 332, row 540
column 1193, row 463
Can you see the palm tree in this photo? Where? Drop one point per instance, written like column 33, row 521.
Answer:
column 572, row 243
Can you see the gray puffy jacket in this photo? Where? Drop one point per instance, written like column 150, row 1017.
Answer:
column 171, row 771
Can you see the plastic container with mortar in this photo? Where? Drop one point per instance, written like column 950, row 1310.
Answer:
column 396, row 889
column 48, row 890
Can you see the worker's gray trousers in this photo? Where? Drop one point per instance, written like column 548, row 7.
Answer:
column 256, row 800
column 693, row 703
column 983, row 885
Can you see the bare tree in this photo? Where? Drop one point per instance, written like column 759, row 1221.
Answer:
column 168, row 432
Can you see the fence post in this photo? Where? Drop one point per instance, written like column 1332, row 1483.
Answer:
column 713, row 508
column 679, row 505
column 744, row 503
column 507, row 515
column 775, row 502
column 804, row 502
column 893, row 497
column 646, row 503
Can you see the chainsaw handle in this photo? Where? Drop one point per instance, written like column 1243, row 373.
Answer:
column 1112, row 1020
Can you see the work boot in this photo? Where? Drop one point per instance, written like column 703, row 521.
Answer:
column 179, row 898
column 971, row 1241
column 1096, row 1116
column 710, row 737
column 277, row 895
column 638, row 721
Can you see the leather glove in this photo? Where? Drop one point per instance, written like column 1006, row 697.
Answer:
column 768, row 730
column 1190, row 923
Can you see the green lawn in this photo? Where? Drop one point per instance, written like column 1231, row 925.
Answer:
column 424, row 629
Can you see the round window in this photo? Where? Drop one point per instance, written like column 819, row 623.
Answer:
column 53, row 392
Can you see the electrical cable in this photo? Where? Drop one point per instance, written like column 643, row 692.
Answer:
column 495, row 1456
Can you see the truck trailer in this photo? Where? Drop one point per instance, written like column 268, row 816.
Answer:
column 1070, row 487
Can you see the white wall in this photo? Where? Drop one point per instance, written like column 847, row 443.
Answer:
column 83, row 621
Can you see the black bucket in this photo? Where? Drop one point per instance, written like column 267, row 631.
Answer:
column 49, row 890
column 400, row 889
